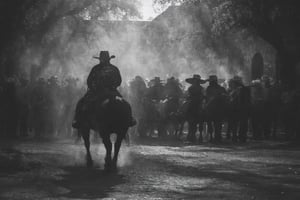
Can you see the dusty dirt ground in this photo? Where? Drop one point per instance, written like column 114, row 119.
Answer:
column 153, row 170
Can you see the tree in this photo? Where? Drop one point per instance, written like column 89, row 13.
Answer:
column 38, row 23
column 276, row 21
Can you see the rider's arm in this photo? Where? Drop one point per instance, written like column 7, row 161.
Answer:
column 91, row 78
column 118, row 78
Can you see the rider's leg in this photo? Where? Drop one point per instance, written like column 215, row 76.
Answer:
column 132, row 120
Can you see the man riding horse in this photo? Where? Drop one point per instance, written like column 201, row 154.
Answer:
column 195, row 99
column 104, row 110
column 239, row 109
column 215, row 107
column 102, row 82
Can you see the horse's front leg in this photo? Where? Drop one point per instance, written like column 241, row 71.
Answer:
column 201, row 123
column 118, row 144
column 86, row 137
column 108, row 146
column 210, row 130
column 181, row 127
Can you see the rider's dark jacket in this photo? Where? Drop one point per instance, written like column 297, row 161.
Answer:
column 104, row 76
column 214, row 90
column 156, row 92
column 195, row 97
column 172, row 89
column 195, row 93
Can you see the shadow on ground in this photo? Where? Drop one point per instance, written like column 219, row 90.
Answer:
column 89, row 183
column 274, row 181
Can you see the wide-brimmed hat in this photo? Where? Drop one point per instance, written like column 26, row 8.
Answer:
column 195, row 79
column 139, row 78
column 104, row 55
column 213, row 78
column 156, row 80
column 238, row 80
column 171, row 79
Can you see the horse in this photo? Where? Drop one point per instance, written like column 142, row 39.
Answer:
column 160, row 115
column 195, row 116
column 169, row 120
column 163, row 116
column 182, row 118
column 148, row 119
column 215, row 112
column 238, row 114
column 110, row 116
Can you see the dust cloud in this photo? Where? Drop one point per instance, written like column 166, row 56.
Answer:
column 176, row 43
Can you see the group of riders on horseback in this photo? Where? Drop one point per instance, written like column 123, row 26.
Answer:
column 164, row 108
column 159, row 108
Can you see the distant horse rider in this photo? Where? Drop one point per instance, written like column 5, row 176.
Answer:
column 173, row 93
column 215, row 107
column 102, row 82
column 239, row 109
column 156, row 90
column 195, row 99
column 172, row 89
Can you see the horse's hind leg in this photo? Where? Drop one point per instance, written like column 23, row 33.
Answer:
column 108, row 146
column 86, row 137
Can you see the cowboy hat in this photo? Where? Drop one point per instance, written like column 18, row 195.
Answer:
column 156, row 80
column 195, row 79
column 104, row 55
column 213, row 78
column 238, row 80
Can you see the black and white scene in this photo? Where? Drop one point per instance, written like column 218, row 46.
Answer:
column 149, row 99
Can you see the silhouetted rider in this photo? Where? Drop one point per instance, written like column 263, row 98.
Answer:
column 103, row 81
column 195, row 100
column 104, row 77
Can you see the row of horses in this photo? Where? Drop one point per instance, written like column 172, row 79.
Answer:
column 167, row 118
